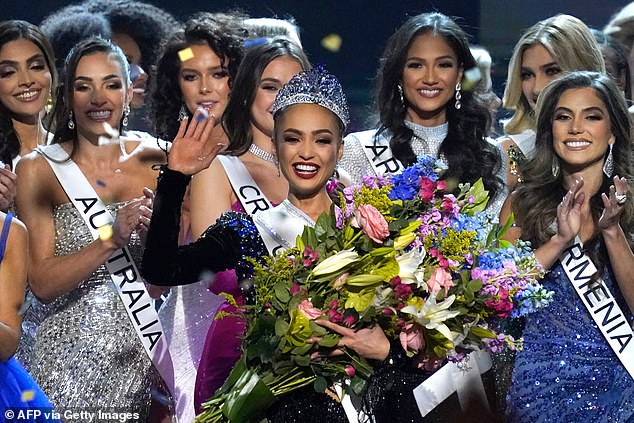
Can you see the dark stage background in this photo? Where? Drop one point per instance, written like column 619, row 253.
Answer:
column 364, row 26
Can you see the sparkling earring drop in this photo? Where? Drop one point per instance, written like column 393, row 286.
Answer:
column 554, row 167
column 400, row 94
column 71, row 123
column 608, row 166
column 458, row 96
column 126, row 112
column 182, row 113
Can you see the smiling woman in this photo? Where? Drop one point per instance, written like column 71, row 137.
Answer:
column 310, row 115
column 27, row 77
column 85, row 349
column 423, row 110
column 576, row 196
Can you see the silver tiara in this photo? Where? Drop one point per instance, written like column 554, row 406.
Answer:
column 315, row 86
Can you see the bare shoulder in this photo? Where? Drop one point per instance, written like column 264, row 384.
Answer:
column 145, row 147
column 34, row 167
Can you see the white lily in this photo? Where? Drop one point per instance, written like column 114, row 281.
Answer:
column 432, row 315
column 335, row 262
column 408, row 265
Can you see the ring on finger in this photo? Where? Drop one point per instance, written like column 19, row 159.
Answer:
column 620, row 198
column 202, row 158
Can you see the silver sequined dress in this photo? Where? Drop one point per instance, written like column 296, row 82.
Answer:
column 81, row 348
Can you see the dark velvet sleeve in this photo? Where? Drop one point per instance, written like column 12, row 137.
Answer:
column 167, row 264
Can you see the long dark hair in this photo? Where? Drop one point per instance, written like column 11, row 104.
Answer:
column 11, row 31
column 236, row 119
column 468, row 154
column 536, row 198
column 223, row 33
column 63, row 102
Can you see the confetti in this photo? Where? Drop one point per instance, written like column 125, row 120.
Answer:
column 202, row 115
column 28, row 395
column 331, row 42
column 471, row 78
column 105, row 232
column 101, row 183
column 185, row 54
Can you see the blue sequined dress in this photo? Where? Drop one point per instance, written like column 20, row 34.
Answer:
column 567, row 372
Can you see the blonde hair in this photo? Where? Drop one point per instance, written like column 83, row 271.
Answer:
column 569, row 41
column 621, row 26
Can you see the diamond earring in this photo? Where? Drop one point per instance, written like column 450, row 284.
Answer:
column 400, row 94
column 71, row 123
column 554, row 167
column 126, row 112
column 182, row 113
column 608, row 165
column 458, row 96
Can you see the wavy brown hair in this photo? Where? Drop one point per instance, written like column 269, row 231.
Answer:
column 537, row 197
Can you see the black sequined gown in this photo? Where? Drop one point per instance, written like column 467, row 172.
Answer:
column 225, row 245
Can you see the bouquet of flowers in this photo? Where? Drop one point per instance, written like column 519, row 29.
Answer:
column 428, row 266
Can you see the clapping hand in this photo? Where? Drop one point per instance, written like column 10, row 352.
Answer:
column 129, row 219
column 192, row 150
column 613, row 204
column 569, row 212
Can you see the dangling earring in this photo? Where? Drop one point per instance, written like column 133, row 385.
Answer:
column 554, row 167
column 608, row 165
column 182, row 113
column 71, row 123
column 126, row 112
column 400, row 94
column 277, row 165
column 49, row 103
column 458, row 96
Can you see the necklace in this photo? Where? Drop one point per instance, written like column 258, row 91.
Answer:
column 262, row 154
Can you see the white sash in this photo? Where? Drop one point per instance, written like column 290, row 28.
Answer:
column 278, row 229
column 124, row 273
column 600, row 302
column 379, row 153
column 463, row 378
column 247, row 191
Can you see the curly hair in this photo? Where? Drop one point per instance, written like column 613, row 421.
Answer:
column 469, row 155
column 236, row 119
column 13, row 30
column 536, row 199
column 68, row 26
column 223, row 33
column 63, row 102
column 149, row 26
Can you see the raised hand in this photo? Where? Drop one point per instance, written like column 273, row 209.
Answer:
column 569, row 213
column 192, row 150
column 612, row 212
column 8, row 187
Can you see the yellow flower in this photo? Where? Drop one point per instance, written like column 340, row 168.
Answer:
column 335, row 262
column 401, row 242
